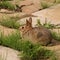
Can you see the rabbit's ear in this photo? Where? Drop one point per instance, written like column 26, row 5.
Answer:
column 27, row 22
column 30, row 20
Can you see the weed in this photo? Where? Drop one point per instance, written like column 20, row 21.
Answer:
column 29, row 51
column 45, row 4
column 47, row 25
column 38, row 23
column 57, row 1
column 12, row 40
column 10, row 22
column 36, row 52
column 56, row 35
column 7, row 5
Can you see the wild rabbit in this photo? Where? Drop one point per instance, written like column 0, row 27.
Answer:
column 39, row 35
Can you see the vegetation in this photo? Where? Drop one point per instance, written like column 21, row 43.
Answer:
column 29, row 51
column 45, row 4
column 57, row 1
column 36, row 53
column 12, row 40
column 56, row 35
column 48, row 25
column 7, row 5
column 10, row 22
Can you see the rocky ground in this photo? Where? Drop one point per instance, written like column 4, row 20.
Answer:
column 32, row 9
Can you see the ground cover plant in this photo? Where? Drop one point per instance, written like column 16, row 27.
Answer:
column 29, row 51
column 57, row 1
column 37, row 53
column 12, row 40
column 7, row 5
column 45, row 4
column 56, row 35
column 47, row 25
column 10, row 22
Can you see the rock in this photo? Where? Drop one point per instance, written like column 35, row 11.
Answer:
column 51, row 14
column 8, row 53
column 30, row 9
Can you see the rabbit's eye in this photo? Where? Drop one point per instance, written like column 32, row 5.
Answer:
column 22, row 27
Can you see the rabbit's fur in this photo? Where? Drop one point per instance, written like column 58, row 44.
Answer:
column 36, row 34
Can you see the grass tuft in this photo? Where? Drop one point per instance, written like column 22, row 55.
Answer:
column 7, row 5
column 45, row 4
column 56, row 35
column 10, row 22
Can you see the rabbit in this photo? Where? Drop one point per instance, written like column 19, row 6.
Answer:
column 39, row 35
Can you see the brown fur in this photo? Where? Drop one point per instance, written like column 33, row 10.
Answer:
column 36, row 34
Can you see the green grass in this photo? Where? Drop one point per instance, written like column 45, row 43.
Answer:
column 56, row 36
column 47, row 25
column 29, row 51
column 36, row 52
column 7, row 5
column 12, row 40
column 45, row 4
column 57, row 1
column 10, row 22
